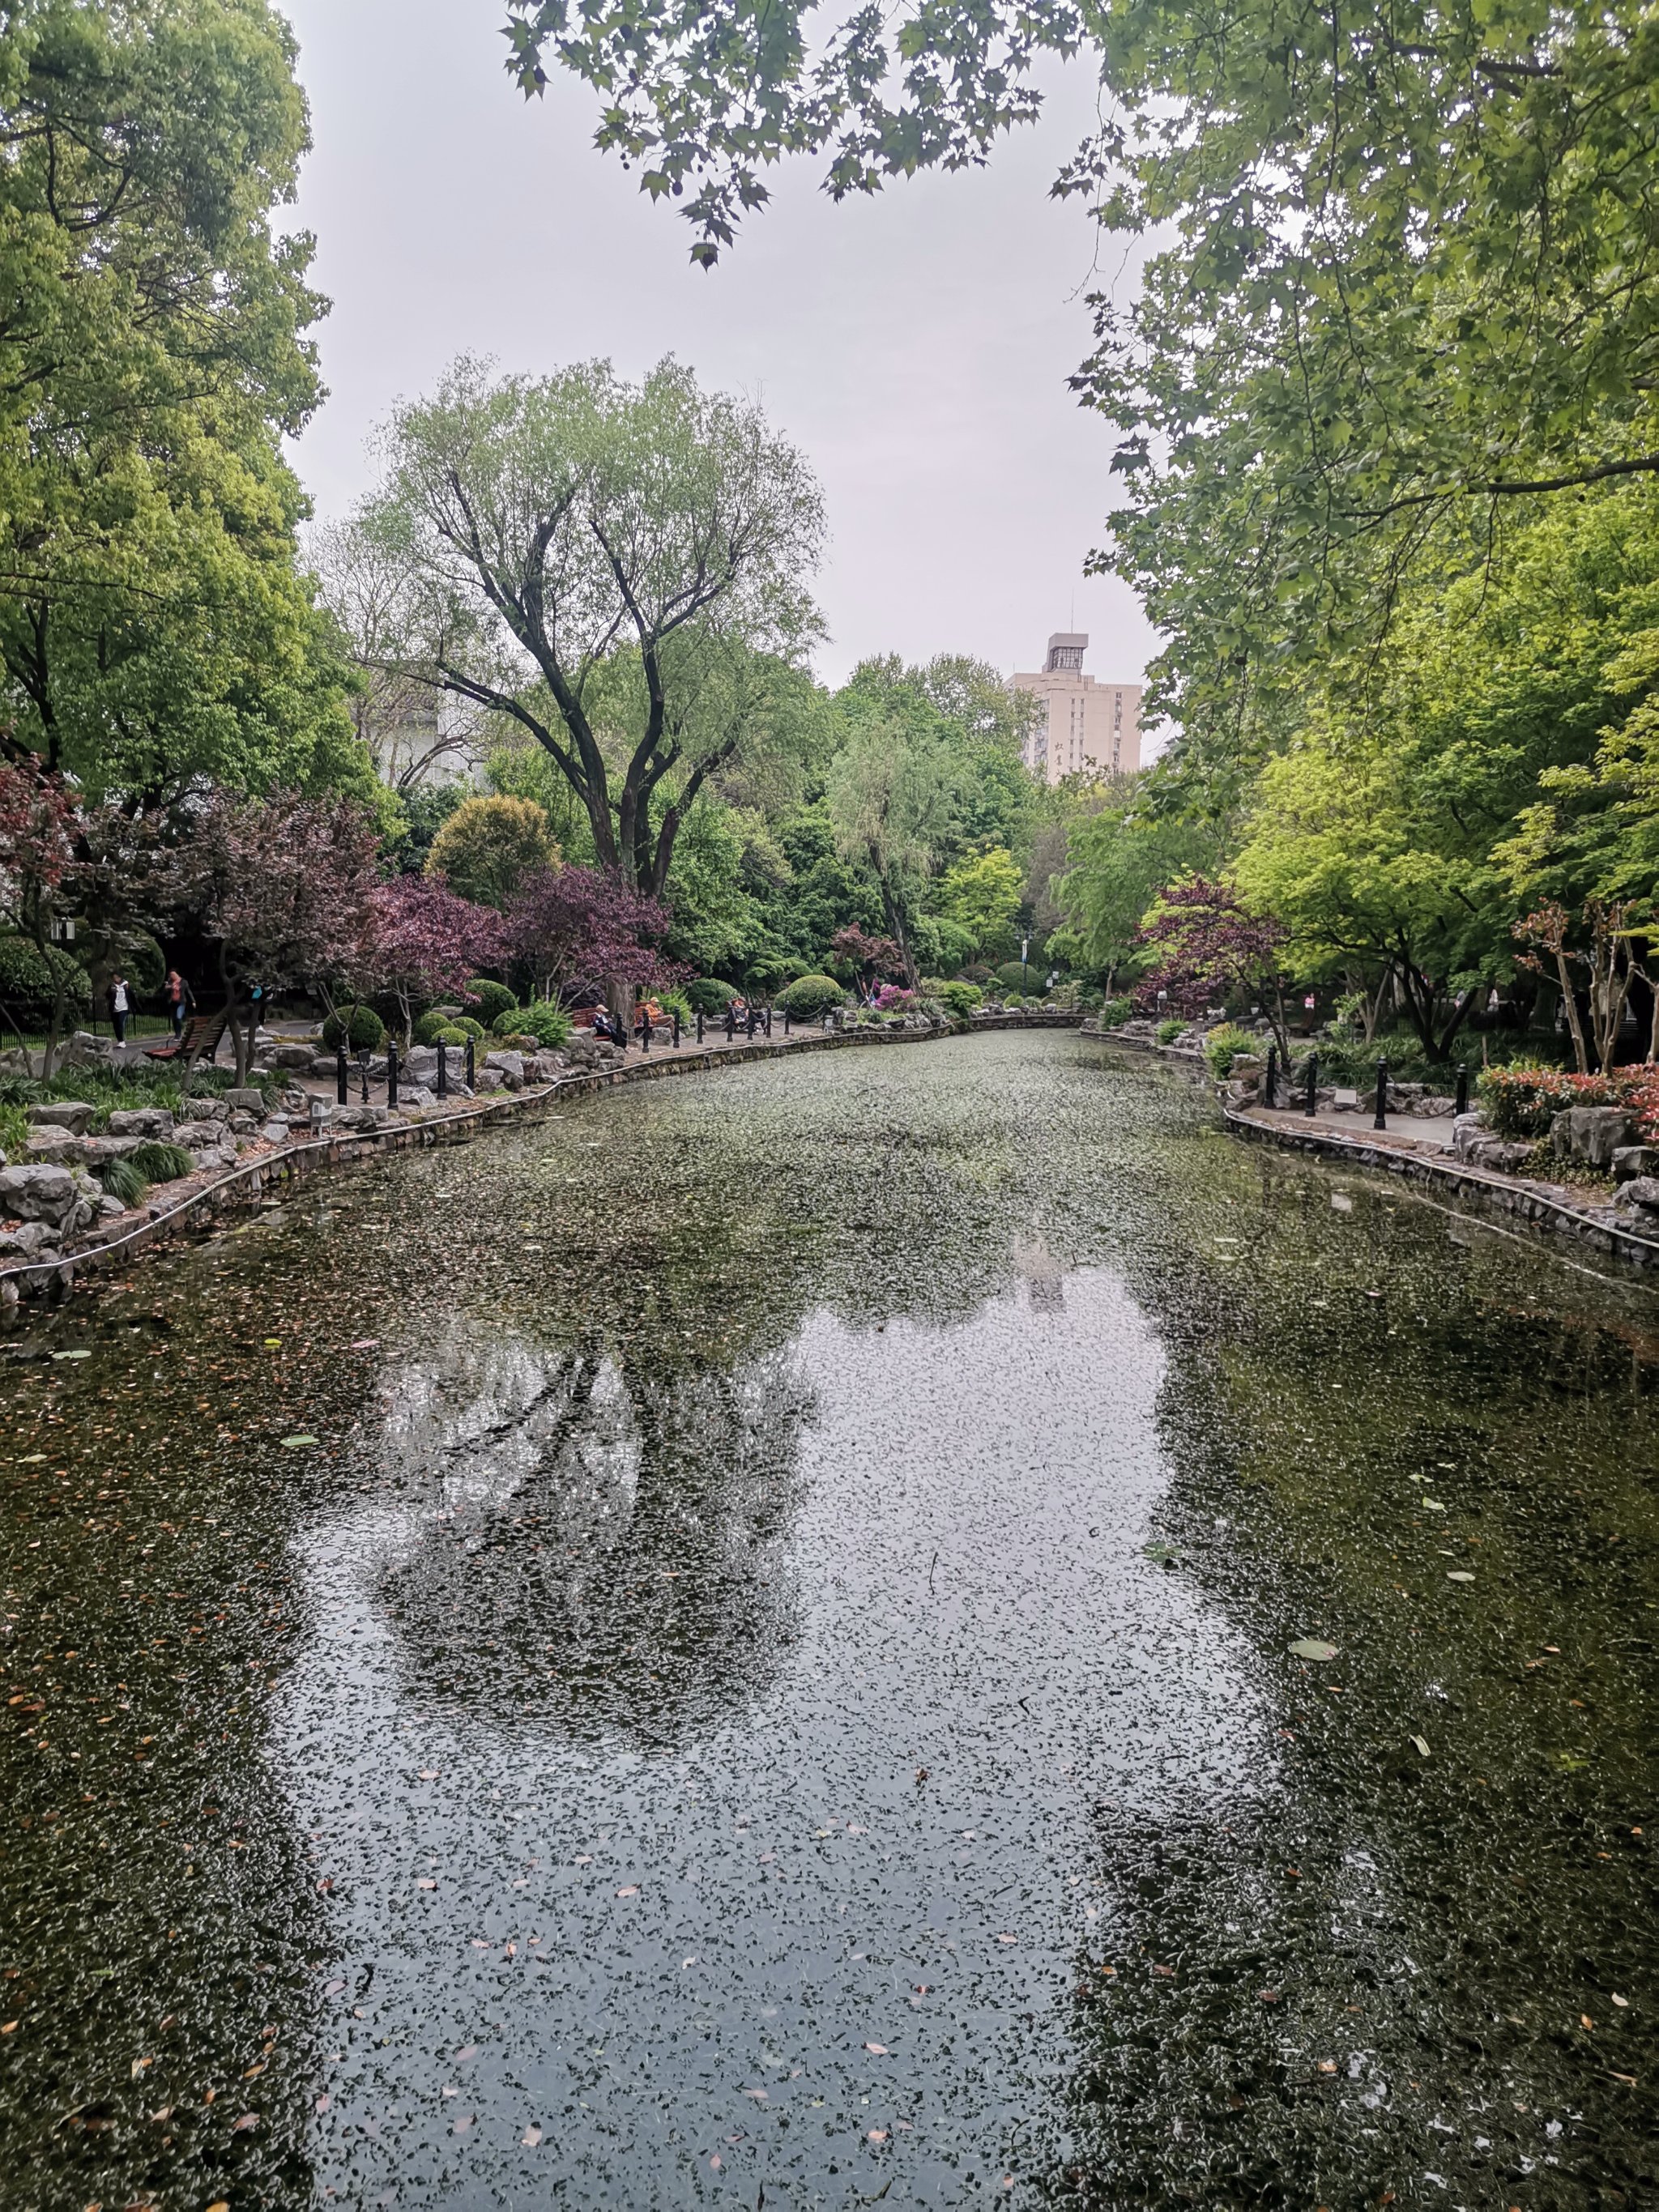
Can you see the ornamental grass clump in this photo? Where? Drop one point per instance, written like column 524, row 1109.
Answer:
column 122, row 1180
column 1226, row 1044
column 161, row 1163
column 546, row 1025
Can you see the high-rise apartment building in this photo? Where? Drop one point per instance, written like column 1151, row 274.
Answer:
column 1081, row 726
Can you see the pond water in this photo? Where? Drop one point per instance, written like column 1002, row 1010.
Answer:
column 734, row 1648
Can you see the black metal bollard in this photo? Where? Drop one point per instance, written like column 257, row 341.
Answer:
column 676, row 1028
column 699, row 1025
column 754, row 1021
column 1313, row 1084
column 1460, row 1102
column 342, row 1074
column 363, row 1070
column 785, row 1021
column 1382, row 1117
column 443, row 1071
column 645, row 1032
column 471, row 1082
column 390, row 1071
column 1270, row 1078
column 731, row 1022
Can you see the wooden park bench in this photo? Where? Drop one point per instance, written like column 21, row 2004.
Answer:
column 199, row 1040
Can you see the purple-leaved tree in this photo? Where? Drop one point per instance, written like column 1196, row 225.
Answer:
column 284, row 887
column 426, row 940
column 1206, row 946
column 582, row 931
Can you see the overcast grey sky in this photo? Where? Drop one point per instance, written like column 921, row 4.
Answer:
column 915, row 346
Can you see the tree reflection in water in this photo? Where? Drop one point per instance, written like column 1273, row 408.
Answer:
column 602, row 1530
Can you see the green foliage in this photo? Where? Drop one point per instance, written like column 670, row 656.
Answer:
column 1115, row 1012
column 486, row 848
column 1119, row 858
column 550, row 1025
column 707, row 994
column 446, row 1028
column 159, row 631
column 1016, row 974
column 426, row 1029
column 14, row 1129
column 959, row 1000
column 417, row 818
column 1167, row 1031
column 360, row 1026
column 809, row 998
column 488, row 998
column 123, row 1180
column 27, row 982
column 161, row 1161
column 452, row 1033
column 982, row 894
column 1226, row 1044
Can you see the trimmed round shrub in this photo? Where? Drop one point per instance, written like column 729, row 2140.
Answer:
column 959, row 1000
column 1167, row 1031
column 26, row 982
column 549, row 1024
column 449, row 1033
column 161, row 1163
column 1015, row 975
column 121, row 1180
column 429, row 1028
column 486, row 1001
column 362, row 1029
column 809, row 998
column 706, row 996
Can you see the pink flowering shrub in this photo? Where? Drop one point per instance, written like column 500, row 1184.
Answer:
column 894, row 998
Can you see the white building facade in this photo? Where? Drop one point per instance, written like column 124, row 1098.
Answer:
column 1082, row 727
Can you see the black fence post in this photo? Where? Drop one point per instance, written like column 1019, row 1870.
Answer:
column 699, row 1025
column 471, row 1082
column 676, row 1028
column 645, row 1031
column 362, row 1069
column 769, row 1021
column 1461, row 1103
column 443, row 1070
column 342, row 1074
column 731, row 1022
column 1381, row 1118
column 392, row 1070
column 1271, row 1074
column 1313, row 1085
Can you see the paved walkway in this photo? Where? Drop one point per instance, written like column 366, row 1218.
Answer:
column 1413, row 1132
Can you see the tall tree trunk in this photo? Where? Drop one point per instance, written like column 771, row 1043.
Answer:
column 896, row 930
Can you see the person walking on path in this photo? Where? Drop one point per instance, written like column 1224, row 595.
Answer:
column 120, row 1006
column 179, row 999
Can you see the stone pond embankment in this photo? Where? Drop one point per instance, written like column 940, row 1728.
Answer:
column 1469, row 1183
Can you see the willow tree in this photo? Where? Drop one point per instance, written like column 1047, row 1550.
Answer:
column 608, row 566
column 895, row 793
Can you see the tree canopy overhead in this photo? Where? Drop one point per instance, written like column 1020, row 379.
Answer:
column 1408, row 275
